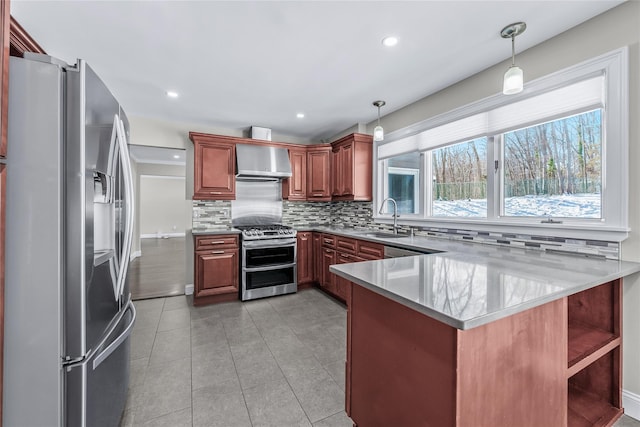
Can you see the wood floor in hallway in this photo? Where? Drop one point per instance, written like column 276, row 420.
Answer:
column 160, row 271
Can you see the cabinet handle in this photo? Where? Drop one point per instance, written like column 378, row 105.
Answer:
column 344, row 255
column 328, row 241
column 327, row 251
column 217, row 252
column 317, row 194
column 215, row 192
column 215, row 242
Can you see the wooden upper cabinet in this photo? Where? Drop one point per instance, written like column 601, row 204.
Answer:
column 318, row 174
column 352, row 158
column 295, row 188
column 214, row 168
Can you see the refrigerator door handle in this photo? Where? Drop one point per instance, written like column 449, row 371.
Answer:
column 128, row 181
column 118, row 341
column 79, row 361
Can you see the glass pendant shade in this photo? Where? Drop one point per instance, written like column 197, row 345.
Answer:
column 513, row 81
column 378, row 133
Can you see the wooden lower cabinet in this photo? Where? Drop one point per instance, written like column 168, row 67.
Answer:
column 558, row 364
column 327, row 282
column 217, row 268
column 317, row 257
column 341, row 250
column 305, row 258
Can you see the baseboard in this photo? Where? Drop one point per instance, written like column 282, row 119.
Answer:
column 135, row 255
column 161, row 235
column 188, row 289
column 631, row 404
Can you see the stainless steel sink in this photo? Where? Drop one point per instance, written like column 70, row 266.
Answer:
column 382, row 235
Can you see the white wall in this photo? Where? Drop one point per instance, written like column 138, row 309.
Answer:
column 161, row 205
column 615, row 28
column 140, row 169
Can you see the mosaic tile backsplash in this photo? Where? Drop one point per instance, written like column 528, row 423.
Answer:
column 358, row 215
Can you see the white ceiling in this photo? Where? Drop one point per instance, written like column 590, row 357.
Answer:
column 241, row 63
column 157, row 155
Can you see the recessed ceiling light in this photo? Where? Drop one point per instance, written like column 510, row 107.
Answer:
column 300, row 115
column 390, row 41
column 176, row 156
column 172, row 94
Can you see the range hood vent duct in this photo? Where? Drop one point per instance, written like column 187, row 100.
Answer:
column 261, row 162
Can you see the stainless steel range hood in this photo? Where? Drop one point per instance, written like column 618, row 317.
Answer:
column 261, row 162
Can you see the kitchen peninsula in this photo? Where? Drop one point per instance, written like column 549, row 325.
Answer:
column 500, row 337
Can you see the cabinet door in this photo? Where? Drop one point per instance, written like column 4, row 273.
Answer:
column 328, row 258
column 318, row 175
column 317, row 257
column 305, row 257
column 295, row 188
column 346, row 168
column 216, row 272
column 336, row 173
column 340, row 282
column 214, row 169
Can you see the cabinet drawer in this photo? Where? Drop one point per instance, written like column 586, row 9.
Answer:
column 328, row 241
column 345, row 244
column 214, row 242
column 370, row 250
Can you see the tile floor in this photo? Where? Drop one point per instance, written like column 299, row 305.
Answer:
column 272, row 362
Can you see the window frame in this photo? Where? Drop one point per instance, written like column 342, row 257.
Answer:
column 615, row 147
column 416, row 187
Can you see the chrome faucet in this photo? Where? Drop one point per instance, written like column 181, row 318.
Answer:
column 395, row 213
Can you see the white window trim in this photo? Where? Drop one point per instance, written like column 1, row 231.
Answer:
column 615, row 151
column 416, row 188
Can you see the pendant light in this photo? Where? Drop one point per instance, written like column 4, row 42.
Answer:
column 378, row 132
column 513, row 78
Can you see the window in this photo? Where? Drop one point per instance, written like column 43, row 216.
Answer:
column 403, row 183
column 556, row 151
column 554, row 169
column 460, row 179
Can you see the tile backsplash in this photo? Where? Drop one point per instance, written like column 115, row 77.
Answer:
column 359, row 215
column 211, row 214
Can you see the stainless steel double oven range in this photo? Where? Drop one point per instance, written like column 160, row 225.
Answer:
column 268, row 264
column 268, row 261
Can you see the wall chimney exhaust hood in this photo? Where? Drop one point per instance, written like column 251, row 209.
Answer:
column 261, row 162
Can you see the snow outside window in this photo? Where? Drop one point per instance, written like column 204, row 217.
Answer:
column 558, row 150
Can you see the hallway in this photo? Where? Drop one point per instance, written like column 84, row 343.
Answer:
column 160, row 271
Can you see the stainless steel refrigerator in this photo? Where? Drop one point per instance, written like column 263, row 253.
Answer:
column 69, row 219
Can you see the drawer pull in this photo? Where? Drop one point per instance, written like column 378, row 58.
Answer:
column 215, row 192
column 327, row 251
column 344, row 255
column 215, row 242
column 317, row 194
column 328, row 241
column 217, row 252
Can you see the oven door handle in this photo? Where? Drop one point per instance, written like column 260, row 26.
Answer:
column 268, row 267
column 261, row 244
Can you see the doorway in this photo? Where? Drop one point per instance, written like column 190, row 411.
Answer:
column 158, row 269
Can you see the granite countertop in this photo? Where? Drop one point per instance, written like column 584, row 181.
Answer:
column 215, row 231
column 467, row 285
